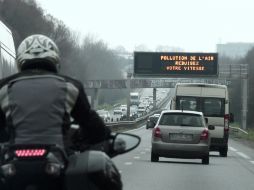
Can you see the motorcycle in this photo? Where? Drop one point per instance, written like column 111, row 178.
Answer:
column 47, row 167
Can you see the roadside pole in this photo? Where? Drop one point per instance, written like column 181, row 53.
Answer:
column 244, row 102
column 154, row 99
column 128, row 96
column 94, row 101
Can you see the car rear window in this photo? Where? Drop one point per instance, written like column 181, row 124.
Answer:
column 211, row 107
column 214, row 107
column 187, row 103
column 182, row 119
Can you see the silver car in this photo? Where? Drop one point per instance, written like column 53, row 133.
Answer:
column 181, row 134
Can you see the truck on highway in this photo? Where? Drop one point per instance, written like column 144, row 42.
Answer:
column 134, row 98
column 7, row 52
column 213, row 101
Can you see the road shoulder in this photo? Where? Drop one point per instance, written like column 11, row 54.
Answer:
column 245, row 142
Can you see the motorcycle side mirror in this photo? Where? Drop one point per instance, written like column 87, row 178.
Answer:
column 124, row 142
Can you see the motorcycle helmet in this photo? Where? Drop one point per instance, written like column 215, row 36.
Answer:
column 38, row 52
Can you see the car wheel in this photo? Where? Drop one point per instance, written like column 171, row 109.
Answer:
column 205, row 160
column 223, row 152
column 154, row 157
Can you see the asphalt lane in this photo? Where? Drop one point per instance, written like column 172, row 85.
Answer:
column 236, row 172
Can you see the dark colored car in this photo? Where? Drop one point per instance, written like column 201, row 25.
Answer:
column 152, row 120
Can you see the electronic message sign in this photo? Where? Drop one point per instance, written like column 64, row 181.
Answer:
column 162, row 64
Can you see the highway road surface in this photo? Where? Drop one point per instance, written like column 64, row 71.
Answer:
column 236, row 172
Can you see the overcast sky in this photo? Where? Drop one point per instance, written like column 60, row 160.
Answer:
column 193, row 25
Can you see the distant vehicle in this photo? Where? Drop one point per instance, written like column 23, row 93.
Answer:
column 141, row 110
column 134, row 98
column 7, row 52
column 105, row 115
column 150, row 100
column 117, row 111
column 213, row 101
column 133, row 112
column 124, row 109
column 152, row 120
column 181, row 134
column 118, row 114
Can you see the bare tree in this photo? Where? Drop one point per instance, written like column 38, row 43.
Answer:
column 90, row 60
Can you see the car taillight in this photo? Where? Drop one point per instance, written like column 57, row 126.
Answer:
column 226, row 122
column 25, row 153
column 157, row 132
column 204, row 135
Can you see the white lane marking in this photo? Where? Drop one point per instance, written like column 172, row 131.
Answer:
column 128, row 163
column 243, row 155
column 233, row 149
column 136, row 157
column 252, row 162
column 148, row 149
column 142, row 152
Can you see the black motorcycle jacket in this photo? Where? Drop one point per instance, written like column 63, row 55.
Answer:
column 36, row 107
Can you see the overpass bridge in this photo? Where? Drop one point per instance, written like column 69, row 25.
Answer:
column 227, row 74
column 146, row 83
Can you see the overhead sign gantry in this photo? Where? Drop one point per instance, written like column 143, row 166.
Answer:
column 168, row 64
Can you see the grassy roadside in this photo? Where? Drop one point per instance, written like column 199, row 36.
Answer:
column 105, row 107
column 249, row 136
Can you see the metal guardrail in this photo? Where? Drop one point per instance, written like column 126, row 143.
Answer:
column 235, row 131
column 123, row 125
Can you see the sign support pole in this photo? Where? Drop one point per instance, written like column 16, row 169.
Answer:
column 154, row 98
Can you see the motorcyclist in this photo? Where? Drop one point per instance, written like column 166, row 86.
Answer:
column 37, row 103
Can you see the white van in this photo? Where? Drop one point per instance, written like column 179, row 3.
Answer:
column 212, row 100
column 134, row 98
